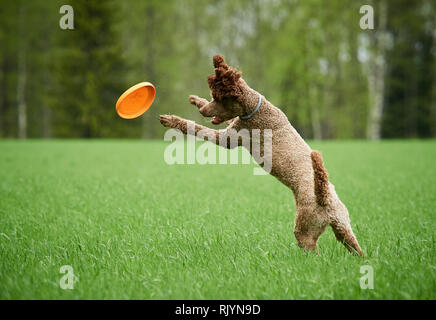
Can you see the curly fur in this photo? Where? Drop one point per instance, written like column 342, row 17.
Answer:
column 224, row 83
column 294, row 163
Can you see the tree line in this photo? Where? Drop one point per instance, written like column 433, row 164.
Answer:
column 333, row 79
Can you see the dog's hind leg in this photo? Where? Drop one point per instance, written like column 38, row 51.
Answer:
column 309, row 225
column 339, row 217
column 344, row 234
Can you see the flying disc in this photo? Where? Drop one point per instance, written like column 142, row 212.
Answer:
column 135, row 100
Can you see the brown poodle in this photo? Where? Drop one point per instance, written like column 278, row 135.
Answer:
column 293, row 161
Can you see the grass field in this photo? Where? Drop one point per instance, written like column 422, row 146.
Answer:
column 133, row 227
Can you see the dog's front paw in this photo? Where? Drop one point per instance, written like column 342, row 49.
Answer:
column 197, row 101
column 169, row 120
column 193, row 99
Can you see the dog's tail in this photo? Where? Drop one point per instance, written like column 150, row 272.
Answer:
column 320, row 177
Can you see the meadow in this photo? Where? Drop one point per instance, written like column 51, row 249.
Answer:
column 133, row 227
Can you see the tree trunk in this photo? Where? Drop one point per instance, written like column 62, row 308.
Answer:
column 48, row 82
column 149, row 122
column 314, row 113
column 376, row 76
column 433, row 91
column 312, row 91
column 46, row 122
column 2, row 96
column 22, row 77
column 258, row 54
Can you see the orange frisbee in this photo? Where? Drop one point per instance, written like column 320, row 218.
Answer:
column 136, row 100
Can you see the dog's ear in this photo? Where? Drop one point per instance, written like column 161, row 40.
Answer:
column 225, row 82
column 218, row 61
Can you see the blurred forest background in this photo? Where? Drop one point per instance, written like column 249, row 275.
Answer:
column 310, row 58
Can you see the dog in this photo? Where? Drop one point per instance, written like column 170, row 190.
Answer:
column 293, row 162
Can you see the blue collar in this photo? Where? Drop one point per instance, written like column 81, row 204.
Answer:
column 255, row 109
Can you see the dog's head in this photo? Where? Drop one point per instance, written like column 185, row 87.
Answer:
column 226, row 87
column 224, row 83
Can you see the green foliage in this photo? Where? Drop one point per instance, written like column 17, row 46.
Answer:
column 410, row 104
column 89, row 72
column 310, row 58
column 133, row 227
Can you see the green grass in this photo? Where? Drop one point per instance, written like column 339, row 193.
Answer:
column 133, row 227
